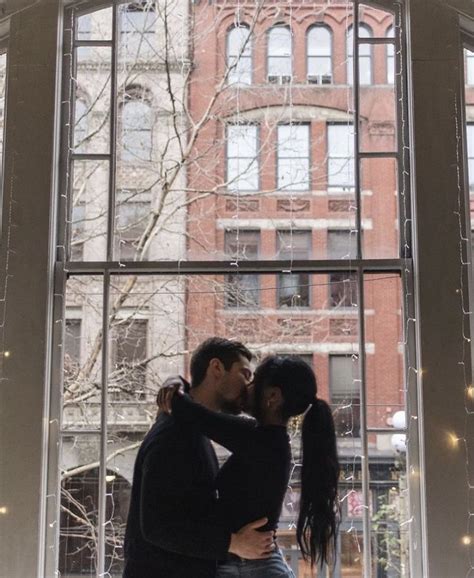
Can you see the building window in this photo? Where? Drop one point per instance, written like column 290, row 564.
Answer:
column 137, row 124
column 293, row 288
column 242, row 291
column 319, row 46
column 390, row 57
column 239, row 55
column 340, row 157
column 293, row 152
column 365, row 56
column 242, row 157
column 129, row 353
column 470, row 154
column 280, row 55
column 306, row 357
column 131, row 222
column 342, row 244
column 345, row 394
column 138, row 31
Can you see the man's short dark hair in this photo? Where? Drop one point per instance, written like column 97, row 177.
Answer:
column 227, row 351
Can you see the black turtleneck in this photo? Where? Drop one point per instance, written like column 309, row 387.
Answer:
column 252, row 482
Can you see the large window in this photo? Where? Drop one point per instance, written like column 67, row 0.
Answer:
column 293, row 157
column 319, row 46
column 239, row 55
column 280, row 55
column 242, row 157
column 201, row 209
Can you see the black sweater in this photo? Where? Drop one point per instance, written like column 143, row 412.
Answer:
column 253, row 481
column 172, row 528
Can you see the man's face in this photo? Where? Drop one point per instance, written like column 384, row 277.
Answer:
column 233, row 386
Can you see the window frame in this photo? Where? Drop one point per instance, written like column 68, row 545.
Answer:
column 327, row 28
column 289, row 78
column 250, row 43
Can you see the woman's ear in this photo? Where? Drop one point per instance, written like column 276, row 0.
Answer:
column 273, row 397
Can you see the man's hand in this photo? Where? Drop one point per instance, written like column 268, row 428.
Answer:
column 171, row 387
column 250, row 544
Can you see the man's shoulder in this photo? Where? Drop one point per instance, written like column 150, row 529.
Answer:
column 166, row 432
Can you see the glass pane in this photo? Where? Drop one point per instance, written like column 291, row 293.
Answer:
column 380, row 208
column 82, row 353
column 385, row 367
column 79, row 475
column 88, row 211
column 379, row 134
column 92, row 109
column 121, row 453
column 139, row 28
column 95, row 25
column 390, row 513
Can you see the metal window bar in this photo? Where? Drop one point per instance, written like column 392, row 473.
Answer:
column 106, row 300
column 366, row 522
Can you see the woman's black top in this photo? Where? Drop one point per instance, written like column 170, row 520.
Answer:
column 252, row 482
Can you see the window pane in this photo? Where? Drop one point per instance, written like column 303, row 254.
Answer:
column 132, row 218
column 92, row 125
column 340, row 157
column 279, row 54
column 242, row 159
column 138, row 28
column 81, row 353
column 365, row 56
column 88, row 211
column 137, row 124
column 345, row 391
column 293, row 288
column 242, row 290
column 293, row 157
column 239, row 58
column 79, row 478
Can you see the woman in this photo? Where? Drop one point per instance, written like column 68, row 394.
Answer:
column 252, row 483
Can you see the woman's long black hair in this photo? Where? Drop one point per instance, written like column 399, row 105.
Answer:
column 319, row 514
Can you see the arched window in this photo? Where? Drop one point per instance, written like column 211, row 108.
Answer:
column 239, row 55
column 137, row 123
column 390, row 57
column 365, row 56
column 280, row 51
column 319, row 47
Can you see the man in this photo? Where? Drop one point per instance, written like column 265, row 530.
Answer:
column 172, row 530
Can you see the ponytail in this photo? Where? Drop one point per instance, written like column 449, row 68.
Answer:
column 319, row 514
